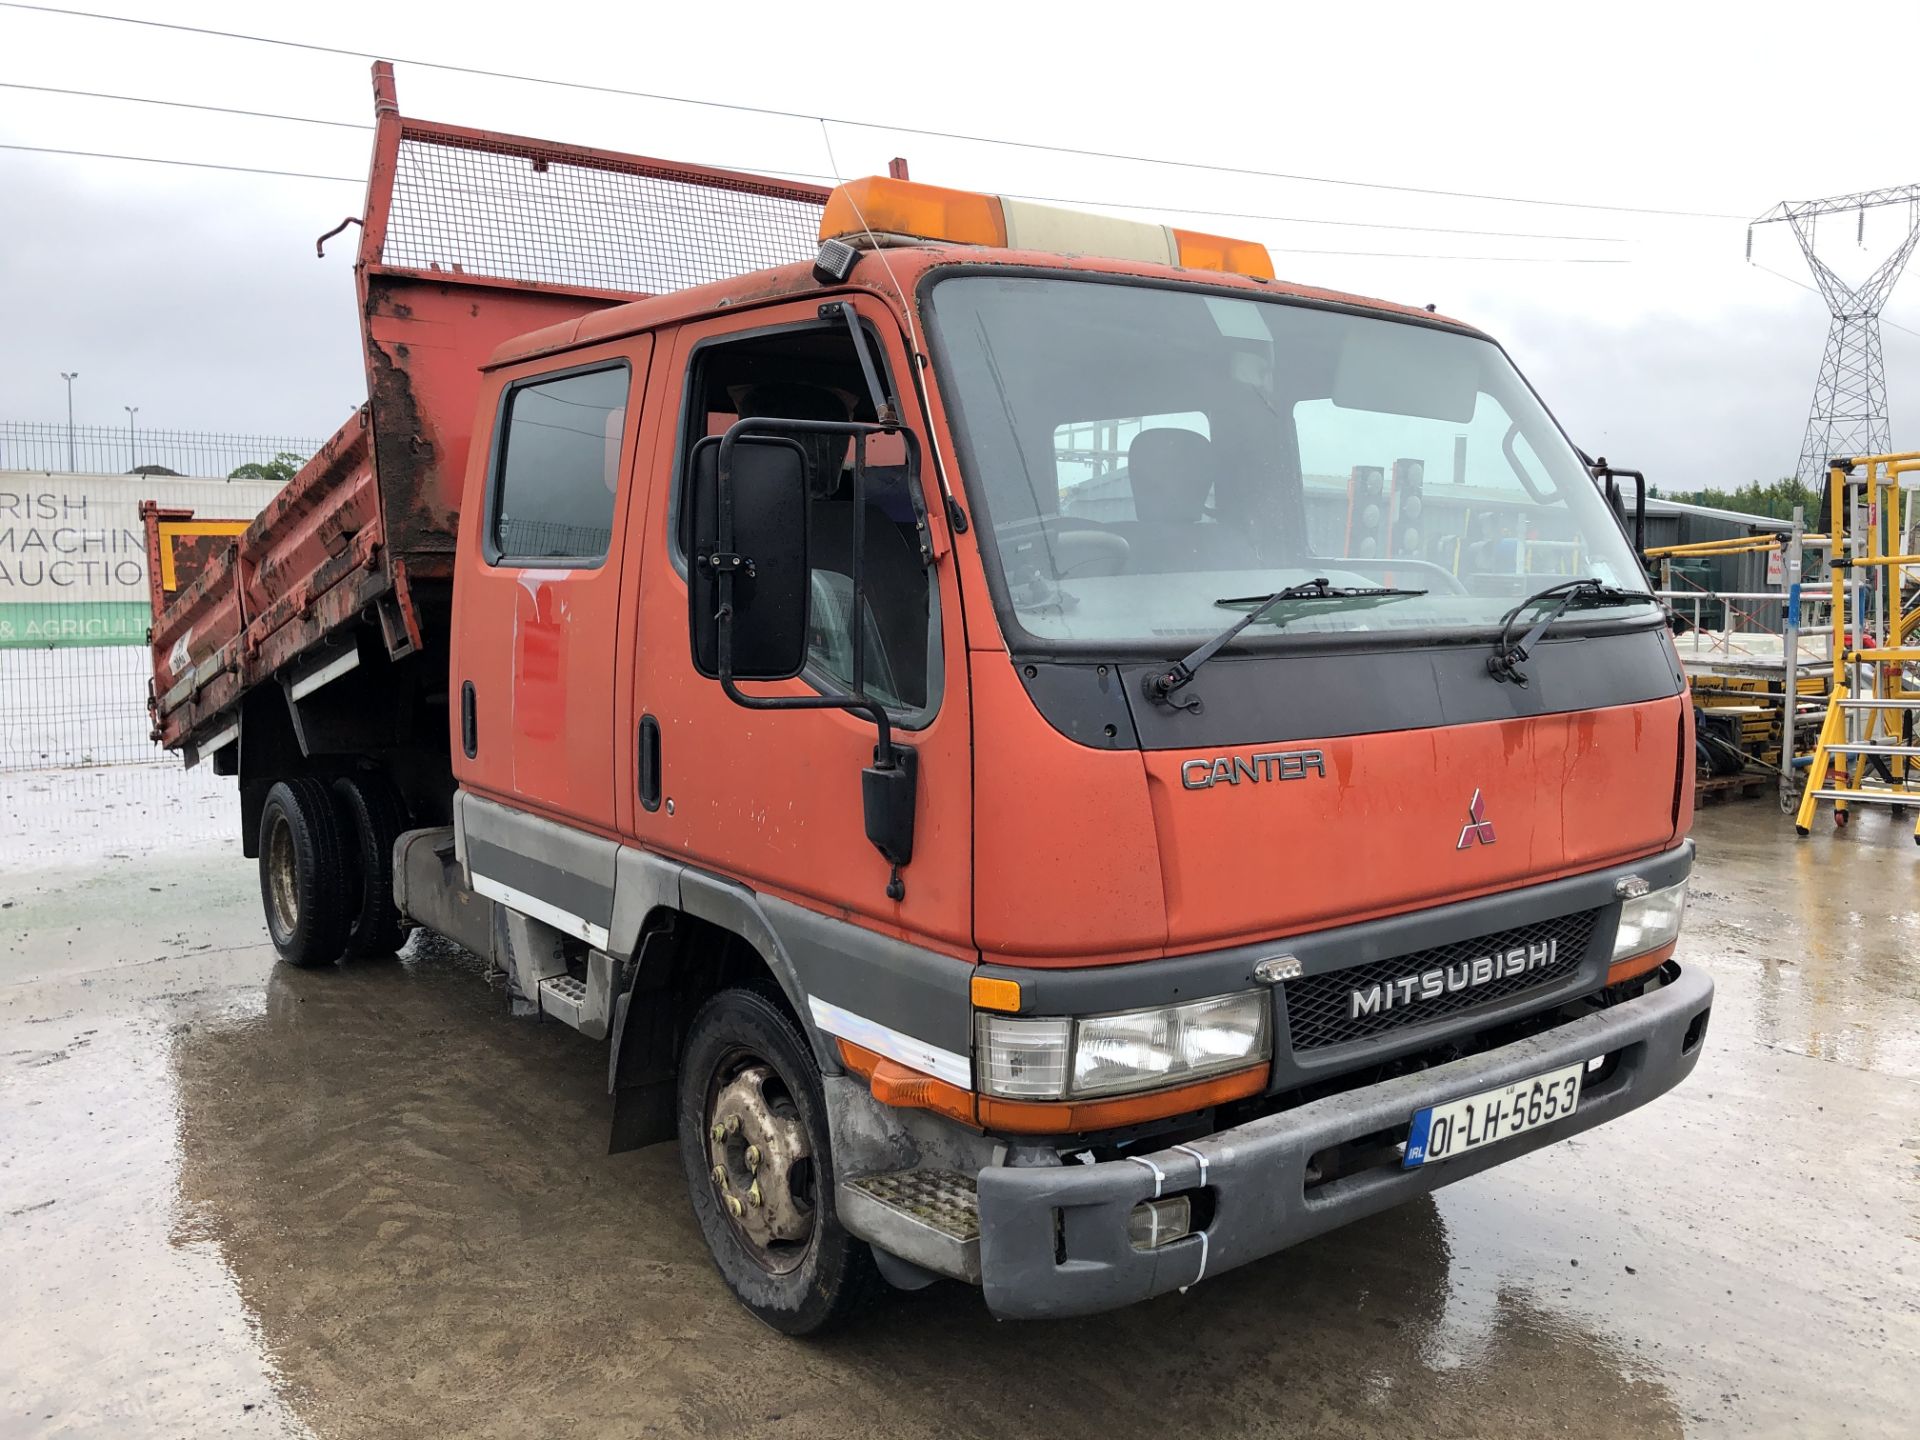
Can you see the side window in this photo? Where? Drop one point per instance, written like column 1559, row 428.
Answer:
column 1091, row 460
column 813, row 373
column 557, row 470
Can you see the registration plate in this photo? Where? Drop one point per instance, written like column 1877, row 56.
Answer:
column 1441, row 1132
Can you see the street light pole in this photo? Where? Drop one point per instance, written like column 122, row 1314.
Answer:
column 70, row 377
column 132, row 410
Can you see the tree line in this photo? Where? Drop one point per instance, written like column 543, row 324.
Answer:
column 1774, row 499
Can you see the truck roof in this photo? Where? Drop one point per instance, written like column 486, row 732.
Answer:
column 904, row 265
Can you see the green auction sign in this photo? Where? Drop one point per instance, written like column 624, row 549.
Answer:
column 84, row 622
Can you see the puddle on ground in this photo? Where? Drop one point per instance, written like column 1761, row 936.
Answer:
column 365, row 1202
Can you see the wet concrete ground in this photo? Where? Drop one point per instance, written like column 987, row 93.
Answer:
column 237, row 1199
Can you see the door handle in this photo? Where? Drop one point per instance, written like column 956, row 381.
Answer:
column 469, row 722
column 649, row 763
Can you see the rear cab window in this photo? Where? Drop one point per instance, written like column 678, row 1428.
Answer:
column 557, row 469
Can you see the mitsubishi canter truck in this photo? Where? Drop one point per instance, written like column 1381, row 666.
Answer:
column 1048, row 757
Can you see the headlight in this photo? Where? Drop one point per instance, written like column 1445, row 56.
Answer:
column 1058, row 1059
column 1649, row 921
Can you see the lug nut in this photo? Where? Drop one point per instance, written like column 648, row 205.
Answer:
column 753, row 1195
column 720, row 1176
column 719, row 1132
column 733, row 1204
column 753, row 1157
column 733, row 1124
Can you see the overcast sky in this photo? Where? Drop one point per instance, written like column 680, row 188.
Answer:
column 195, row 294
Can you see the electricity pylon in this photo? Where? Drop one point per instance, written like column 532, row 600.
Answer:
column 1849, row 414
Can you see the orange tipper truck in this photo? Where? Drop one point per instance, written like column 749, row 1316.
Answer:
column 1049, row 757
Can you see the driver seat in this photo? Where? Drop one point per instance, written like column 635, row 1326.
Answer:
column 1171, row 473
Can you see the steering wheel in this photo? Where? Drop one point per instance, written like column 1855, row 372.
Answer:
column 1397, row 562
column 1077, row 548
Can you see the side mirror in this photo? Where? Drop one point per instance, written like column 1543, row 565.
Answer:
column 750, row 593
column 753, row 530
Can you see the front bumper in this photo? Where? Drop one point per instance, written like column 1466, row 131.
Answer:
column 1053, row 1241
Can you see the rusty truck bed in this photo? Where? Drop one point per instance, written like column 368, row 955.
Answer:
column 468, row 238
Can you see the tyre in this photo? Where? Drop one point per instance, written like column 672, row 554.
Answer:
column 371, row 815
column 306, row 876
column 753, row 1144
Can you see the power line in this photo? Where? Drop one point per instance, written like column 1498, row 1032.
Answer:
column 191, row 164
column 813, row 175
column 184, row 105
column 1504, row 259
column 360, row 180
column 1813, row 290
column 1316, row 220
column 776, row 113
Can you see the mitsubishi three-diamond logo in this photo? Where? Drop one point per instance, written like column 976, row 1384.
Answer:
column 1478, row 829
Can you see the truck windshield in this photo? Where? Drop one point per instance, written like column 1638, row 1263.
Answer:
column 1139, row 453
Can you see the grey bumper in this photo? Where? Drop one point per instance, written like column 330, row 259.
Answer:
column 1257, row 1172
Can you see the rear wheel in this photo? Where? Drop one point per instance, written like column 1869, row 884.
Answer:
column 753, row 1143
column 306, row 883
column 373, row 819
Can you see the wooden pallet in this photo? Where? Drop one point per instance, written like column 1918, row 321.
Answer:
column 1731, row 787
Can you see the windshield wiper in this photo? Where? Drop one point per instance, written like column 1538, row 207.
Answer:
column 1165, row 686
column 1504, row 664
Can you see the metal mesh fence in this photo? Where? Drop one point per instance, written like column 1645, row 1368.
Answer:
column 67, row 705
column 52, row 447
column 74, row 608
column 522, row 212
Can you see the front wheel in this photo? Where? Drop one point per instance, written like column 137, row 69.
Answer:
column 306, row 883
column 753, row 1143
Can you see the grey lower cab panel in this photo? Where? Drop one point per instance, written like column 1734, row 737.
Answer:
column 553, row 872
column 1054, row 1241
column 908, row 988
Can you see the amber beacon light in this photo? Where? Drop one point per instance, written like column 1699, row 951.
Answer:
column 894, row 212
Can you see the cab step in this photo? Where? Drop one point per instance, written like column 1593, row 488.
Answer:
column 584, row 1002
column 928, row 1217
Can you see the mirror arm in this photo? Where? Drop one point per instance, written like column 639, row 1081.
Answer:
column 1602, row 471
column 883, row 410
column 885, row 751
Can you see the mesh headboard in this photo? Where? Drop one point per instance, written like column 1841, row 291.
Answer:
column 540, row 213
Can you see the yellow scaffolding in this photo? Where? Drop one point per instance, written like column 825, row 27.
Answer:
column 1735, row 545
column 1863, row 730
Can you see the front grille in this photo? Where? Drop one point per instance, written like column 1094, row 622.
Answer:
column 1321, row 1009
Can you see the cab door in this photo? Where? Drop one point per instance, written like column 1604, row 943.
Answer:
column 772, row 798
column 538, row 597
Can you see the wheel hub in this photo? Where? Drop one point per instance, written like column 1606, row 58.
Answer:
column 281, row 876
column 758, row 1154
